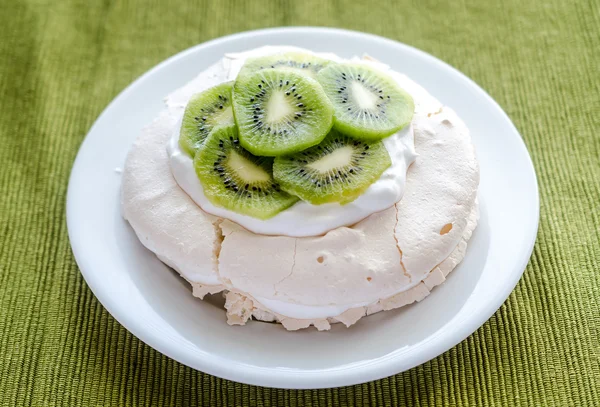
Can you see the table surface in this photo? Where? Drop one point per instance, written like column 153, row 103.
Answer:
column 62, row 62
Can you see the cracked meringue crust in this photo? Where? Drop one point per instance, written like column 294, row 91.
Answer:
column 241, row 307
column 390, row 259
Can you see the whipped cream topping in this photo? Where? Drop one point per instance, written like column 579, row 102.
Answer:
column 303, row 218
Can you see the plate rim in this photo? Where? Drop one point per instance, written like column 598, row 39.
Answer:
column 313, row 379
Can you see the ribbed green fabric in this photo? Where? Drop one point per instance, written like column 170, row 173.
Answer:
column 61, row 63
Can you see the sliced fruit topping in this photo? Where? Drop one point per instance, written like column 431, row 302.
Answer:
column 337, row 170
column 234, row 179
column 299, row 62
column 204, row 112
column 368, row 104
column 280, row 112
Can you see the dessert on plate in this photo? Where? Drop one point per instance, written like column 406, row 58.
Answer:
column 306, row 188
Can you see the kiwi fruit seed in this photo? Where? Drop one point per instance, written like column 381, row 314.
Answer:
column 234, row 179
column 299, row 62
column 339, row 169
column 279, row 112
column 204, row 112
column 368, row 104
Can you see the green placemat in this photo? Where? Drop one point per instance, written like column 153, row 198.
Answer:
column 60, row 64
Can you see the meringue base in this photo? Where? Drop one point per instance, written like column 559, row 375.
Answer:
column 241, row 307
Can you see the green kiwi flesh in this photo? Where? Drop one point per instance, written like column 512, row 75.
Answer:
column 279, row 111
column 339, row 169
column 299, row 62
column 234, row 179
column 204, row 112
column 368, row 104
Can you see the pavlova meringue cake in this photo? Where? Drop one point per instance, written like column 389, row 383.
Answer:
column 305, row 188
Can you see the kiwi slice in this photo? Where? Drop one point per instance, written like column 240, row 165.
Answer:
column 300, row 62
column 280, row 112
column 339, row 169
column 234, row 179
column 204, row 112
column 368, row 104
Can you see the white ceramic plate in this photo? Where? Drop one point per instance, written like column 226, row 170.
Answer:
column 157, row 306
